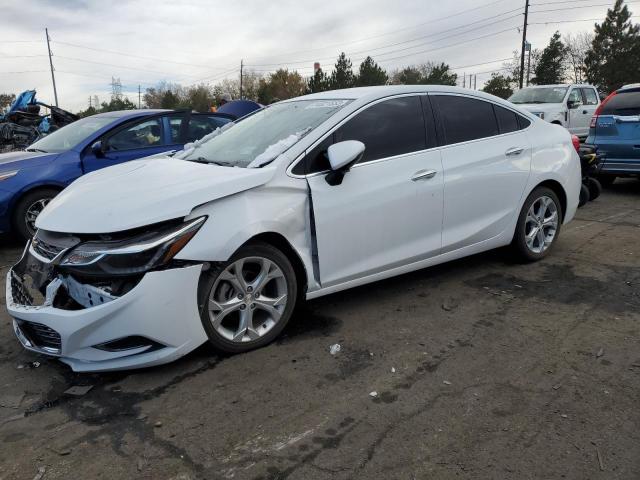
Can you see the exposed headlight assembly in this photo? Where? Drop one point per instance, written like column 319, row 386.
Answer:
column 136, row 254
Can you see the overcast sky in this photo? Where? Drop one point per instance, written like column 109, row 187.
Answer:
column 190, row 41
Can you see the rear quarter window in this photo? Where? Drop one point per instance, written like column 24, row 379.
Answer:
column 623, row 104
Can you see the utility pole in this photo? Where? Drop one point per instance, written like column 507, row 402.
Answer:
column 524, row 41
column 89, row 101
column 475, row 81
column 139, row 93
column 53, row 77
column 464, row 80
column 528, row 62
column 241, row 68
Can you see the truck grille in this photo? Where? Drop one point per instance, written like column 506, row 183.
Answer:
column 41, row 336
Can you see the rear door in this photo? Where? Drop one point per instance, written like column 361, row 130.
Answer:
column 617, row 132
column 486, row 158
column 388, row 210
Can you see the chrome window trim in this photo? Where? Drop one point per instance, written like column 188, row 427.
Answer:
column 420, row 94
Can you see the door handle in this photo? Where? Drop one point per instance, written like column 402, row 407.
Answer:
column 584, row 112
column 423, row 175
column 514, row 151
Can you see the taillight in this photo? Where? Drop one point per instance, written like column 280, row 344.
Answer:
column 594, row 119
column 576, row 142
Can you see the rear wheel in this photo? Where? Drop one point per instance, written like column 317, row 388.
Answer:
column 595, row 188
column 28, row 208
column 246, row 302
column 538, row 225
column 584, row 195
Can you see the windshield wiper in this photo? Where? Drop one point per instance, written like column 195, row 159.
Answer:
column 35, row 150
column 206, row 160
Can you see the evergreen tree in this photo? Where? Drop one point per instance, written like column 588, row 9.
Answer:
column 438, row 74
column 342, row 76
column 550, row 66
column 318, row 83
column 371, row 74
column 614, row 57
column 499, row 85
column 408, row 76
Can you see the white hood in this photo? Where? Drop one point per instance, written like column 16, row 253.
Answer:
column 143, row 192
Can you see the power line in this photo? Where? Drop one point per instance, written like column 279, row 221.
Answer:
column 392, row 32
column 402, row 43
column 21, row 56
column 116, row 66
column 574, row 21
column 581, row 6
column 25, row 71
column 164, row 60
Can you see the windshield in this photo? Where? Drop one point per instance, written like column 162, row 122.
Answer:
column 539, row 95
column 261, row 137
column 70, row 135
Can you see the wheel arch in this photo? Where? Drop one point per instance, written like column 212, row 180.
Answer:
column 29, row 190
column 278, row 241
column 558, row 189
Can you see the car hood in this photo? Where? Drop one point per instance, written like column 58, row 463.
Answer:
column 143, row 192
column 540, row 107
column 16, row 159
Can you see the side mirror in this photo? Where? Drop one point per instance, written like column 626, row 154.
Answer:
column 342, row 156
column 97, row 149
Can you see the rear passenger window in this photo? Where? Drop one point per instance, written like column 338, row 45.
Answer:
column 623, row 104
column 392, row 127
column 507, row 120
column 590, row 96
column 465, row 118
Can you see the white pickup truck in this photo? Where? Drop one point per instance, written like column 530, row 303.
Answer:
column 571, row 106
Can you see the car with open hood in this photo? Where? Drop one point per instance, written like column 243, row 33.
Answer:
column 138, row 264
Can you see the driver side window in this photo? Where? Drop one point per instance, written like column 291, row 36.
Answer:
column 575, row 96
column 140, row 135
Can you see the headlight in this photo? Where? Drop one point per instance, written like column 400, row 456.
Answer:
column 5, row 175
column 137, row 254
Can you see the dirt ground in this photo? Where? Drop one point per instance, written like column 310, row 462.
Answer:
column 483, row 369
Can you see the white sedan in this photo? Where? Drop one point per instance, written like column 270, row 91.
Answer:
column 138, row 264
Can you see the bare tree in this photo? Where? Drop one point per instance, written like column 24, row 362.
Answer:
column 577, row 47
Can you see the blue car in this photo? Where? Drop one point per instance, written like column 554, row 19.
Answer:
column 615, row 131
column 30, row 179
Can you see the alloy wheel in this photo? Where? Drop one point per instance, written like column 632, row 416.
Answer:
column 541, row 224
column 32, row 213
column 247, row 299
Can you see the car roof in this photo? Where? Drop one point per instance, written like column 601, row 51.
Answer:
column 558, row 85
column 362, row 95
column 131, row 113
column 631, row 86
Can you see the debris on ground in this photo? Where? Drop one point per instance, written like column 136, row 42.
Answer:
column 564, row 415
column 373, row 394
column 446, row 382
column 78, row 390
column 40, row 474
column 393, row 370
column 600, row 352
column 334, row 349
column 450, row 304
column 157, row 424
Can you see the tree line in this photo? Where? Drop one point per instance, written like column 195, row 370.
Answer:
column 607, row 58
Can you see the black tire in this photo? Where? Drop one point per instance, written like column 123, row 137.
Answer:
column 519, row 243
column 595, row 188
column 20, row 211
column 208, row 281
column 584, row 195
column 606, row 180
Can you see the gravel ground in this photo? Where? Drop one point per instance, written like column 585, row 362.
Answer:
column 483, row 369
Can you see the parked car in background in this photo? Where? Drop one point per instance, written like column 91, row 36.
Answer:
column 138, row 264
column 615, row 132
column 571, row 106
column 29, row 179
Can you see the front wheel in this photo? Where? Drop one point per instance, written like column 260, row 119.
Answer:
column 28, row 208
column 246, row 302
column 538, row 225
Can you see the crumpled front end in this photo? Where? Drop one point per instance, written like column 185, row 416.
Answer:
column 99, row 323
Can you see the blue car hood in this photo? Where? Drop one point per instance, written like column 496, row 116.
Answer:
column 24, row 159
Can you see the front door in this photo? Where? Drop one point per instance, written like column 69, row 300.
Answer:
column 388, row 210
column 578, row 114
column 135, row 140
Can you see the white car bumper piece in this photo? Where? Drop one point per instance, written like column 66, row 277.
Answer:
column 156, row 322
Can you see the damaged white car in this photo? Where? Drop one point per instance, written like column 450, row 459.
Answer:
column 138, row 264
